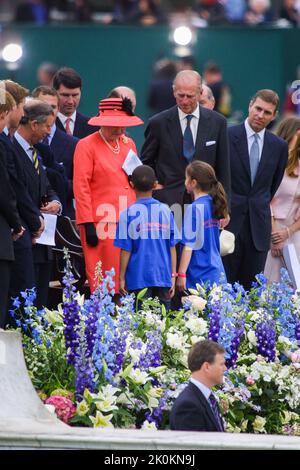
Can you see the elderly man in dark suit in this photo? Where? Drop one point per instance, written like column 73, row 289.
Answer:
column 68, row 84
column 258, row 160
column 196, row 408
column 35, row 125
column 186, row 132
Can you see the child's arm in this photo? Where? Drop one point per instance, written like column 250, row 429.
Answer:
column 184, row 264
column 174, row 259
column 124, row 259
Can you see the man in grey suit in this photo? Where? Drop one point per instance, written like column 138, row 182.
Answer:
column 258, row 161
column 186, row 132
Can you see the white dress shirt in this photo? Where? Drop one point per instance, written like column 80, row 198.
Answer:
column 63, row 119
column 250, row 138
column 194, row 122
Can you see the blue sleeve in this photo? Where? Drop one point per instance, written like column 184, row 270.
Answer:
column 174, row 232
column 122, row 239
column 193, row 226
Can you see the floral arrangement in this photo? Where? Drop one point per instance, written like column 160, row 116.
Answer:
column 104, row 365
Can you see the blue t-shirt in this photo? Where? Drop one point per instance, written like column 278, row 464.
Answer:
column 147, row 230
column 202, row 233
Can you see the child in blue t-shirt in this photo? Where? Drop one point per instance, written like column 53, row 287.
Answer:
column 145, row 234
column 200, row 259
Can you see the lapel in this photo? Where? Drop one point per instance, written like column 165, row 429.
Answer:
column 28, row 166
column 175, row 133
column 59, row 124
column 266, row 155
column 240, row 143
column 205, row 405
column 204, row 125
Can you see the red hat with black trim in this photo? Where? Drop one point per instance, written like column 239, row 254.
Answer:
column 115, row 112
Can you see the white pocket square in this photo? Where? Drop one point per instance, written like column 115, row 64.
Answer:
column 210, row 142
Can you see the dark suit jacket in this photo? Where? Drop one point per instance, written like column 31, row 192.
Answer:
column 255, row 200
column 192, row 412
column 38, row 187
column 28, row 212
column 63, row 147
column 9, row 217
column 163, row 151
column 81, row 128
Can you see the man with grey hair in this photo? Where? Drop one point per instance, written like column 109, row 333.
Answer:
column 34, row 126
column 124, row 92
column 179, row 135
column 207, row 99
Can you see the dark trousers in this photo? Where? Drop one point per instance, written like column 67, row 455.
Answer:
column 246, row 261
column 5, row 272
column 42, row 279
column 161, row 292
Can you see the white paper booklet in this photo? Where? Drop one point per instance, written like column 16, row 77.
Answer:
column 48, row 235
column 131, row 162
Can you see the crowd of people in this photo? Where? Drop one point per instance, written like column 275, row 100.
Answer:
column 149, row 12
column 156, row 220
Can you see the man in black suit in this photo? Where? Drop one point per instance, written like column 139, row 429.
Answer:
column 164, row 148
column 61, row 145
column 35, row 125
column 68, row 84
column 196, row 408
column 10, row 222
column 258, row 160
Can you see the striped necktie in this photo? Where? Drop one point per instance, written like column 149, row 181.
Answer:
column 67, row 126
column 215, row 410
column 35, row 159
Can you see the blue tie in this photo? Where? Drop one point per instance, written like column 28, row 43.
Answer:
column 215, row 409
column 188, row 143
column 254, row 158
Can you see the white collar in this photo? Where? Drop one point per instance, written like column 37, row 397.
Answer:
column 205, row 390
column 63, row 118
column 182, row 115
column 24, row 144
column 250, row 132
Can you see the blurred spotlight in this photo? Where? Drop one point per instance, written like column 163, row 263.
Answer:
column 182, row 35
column 12, row 53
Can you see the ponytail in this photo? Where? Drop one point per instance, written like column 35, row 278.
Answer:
column 206, row 179
column 219, row 199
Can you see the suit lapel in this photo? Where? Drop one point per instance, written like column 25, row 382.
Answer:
column 29, row 167
column 240, row 142
column 175, row 132
column 202, row 131
column 265, row 156
column 205, row 405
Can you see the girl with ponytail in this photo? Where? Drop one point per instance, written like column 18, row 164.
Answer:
column 200, row 258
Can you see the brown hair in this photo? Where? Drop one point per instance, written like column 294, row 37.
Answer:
column 206, row 179
column 203, row 351
column 267, row 95
column 287, row 130
column 7, row 102
column 44, row 90
column 17, row 91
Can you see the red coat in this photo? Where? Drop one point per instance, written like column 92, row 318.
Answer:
column 101, row 191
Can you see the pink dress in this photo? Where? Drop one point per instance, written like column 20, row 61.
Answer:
column 285, row 208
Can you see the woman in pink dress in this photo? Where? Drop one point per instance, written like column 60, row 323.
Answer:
column 285, row 205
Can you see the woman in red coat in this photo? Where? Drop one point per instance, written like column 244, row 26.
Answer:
column 101, row 186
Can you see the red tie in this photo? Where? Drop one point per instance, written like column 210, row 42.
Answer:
column 67, row 126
